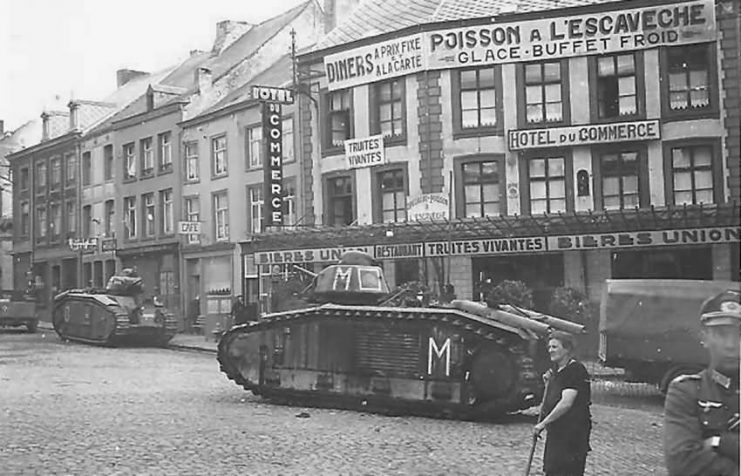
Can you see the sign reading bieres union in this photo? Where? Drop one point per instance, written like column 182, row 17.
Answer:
column 531, row 40
column 584, row 135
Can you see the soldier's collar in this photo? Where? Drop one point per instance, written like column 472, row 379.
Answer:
column 722, row 380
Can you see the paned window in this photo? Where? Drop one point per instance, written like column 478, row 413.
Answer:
column 168, row 214
column 255, row 197
column 619, row 173
column 87, row 221
column 543, row 102
column 147, row 156
column 692, row 175
column 393, row 196
column 71, row 213
column 56, row 173
column 478, row 102
column 110, row 213
column 41, row 176
column 165, row 151
column 339, row 117
column 254, row 147
column 481, row 193
column 87, row 168
column 41, row 221
column 130, row 216
column 218, row 156
column 221, row 216
column 108, row 162
column 547, row 179
column 129, row 161
column 689, row 77
column 149, row 214
column 389, row 108
column 287, row 145
column 25, row 218
column 70, row 172
column 191, row 161
column 616, row 86
column 289, row 202
column 55, row 220
column 340, row 194
column 24, row 178
column 193, row 213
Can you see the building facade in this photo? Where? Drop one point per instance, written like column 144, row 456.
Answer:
column 571, row 145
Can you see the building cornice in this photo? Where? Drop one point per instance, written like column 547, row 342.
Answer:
column 42, row 146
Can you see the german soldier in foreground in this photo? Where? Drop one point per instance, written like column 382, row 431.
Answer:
column 701, row 412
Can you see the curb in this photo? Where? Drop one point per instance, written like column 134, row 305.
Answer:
column 180, row 347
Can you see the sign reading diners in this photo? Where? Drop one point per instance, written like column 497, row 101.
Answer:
column 428, row 207
column 584, row 135
column 695, row 236
column 530, row 40
column 365, row 152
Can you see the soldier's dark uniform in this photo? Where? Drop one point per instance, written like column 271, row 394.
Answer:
column 703, row 406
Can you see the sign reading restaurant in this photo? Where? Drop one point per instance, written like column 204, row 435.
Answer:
column 584, row 135
column 531, row 40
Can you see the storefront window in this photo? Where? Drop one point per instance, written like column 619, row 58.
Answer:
column 687, row 263
column 481, row 188
column 620, row 180
column 692, row 175
column 406, row 270
column 543, row 102
column 547, row 179
column 616, row 86
column 393, row 196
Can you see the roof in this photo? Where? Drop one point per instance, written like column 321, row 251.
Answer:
column 278, row 74
column 181, row 77
column 376, row 17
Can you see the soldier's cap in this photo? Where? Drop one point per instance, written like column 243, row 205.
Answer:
column 722, row 310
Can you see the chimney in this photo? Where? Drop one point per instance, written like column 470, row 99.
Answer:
column 330, row 8
column 74, row 116
column 2, row 127
column 44, row 127
column 336, row 11
column 123, row 76
column 227, row 32
column 202, row 79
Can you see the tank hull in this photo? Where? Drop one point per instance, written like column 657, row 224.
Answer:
column 433, row 362
column 102, row 319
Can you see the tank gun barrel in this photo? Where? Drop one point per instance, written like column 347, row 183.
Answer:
column 538, row 323
column 305, row 271
column 551, row 321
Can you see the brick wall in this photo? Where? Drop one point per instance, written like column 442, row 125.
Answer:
column 729, row 20
column 429, row 113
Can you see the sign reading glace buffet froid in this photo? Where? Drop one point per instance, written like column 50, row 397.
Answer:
column 584, row 135
column 365, row 152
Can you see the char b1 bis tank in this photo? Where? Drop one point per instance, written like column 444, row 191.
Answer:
column 117, row 315
column 464, row 360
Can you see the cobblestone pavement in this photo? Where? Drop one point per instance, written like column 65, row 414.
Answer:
column 74, row 409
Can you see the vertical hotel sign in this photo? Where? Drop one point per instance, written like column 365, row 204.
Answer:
column 272, row 121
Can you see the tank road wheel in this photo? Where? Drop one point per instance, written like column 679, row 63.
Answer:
column 31, row 326
column 493, row 374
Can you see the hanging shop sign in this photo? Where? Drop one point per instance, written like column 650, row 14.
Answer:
column 189, row 227
column 694, row 236
column 522, row 139
column 89, row 245
column 531, row 40
column 273, row 168
column 365, row 152
column 428, row 207
column 108, row 245
column 271, row 94
column 313, row 255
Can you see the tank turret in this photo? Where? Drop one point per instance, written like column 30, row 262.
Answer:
column 356, row 280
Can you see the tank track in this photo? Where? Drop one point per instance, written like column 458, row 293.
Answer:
column 453, row 317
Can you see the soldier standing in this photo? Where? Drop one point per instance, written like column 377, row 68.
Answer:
column 701, row 412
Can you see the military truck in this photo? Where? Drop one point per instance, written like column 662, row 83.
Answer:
column 651, row 327
column 18, row 309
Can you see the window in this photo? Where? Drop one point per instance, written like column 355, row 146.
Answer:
column 338, row 126
column 340, row 203
column 692, row 175
column 254, row 147
column 147, row 156
column 616, row 86
column 288, row 146
column 71, row 213
column 130, row 216
column 55, row 220
column 25, row 219
column 388, row 108
column 221, row 216
column 108, row 162
column 110, row 212
column 87, row 166
column 289, row 202
column 547, row 179
column 165, row 148
column 393, row 196
column 70, row 173
column 168, row 216
column 24, row 178
column 41, row 221
column 256, row 202
column 481, row 188
column 619, row 179
column 41, row 176
column 193, row 213
column 56, row 173
column 129, row 161
column 218, row 156
column 191, row 161
column 689, row 69
column 87, row 221
column 543, row 102
column 148, row 215
column 476, row 95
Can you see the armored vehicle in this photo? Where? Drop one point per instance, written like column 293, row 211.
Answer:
column 18, row 309
column 118, row 315
column 351, row 351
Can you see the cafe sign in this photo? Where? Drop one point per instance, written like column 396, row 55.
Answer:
column 365, row 152
column 522, row 139
column 595, row 33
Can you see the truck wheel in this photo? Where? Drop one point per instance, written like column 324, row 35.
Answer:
column 675, row 372
column 31, row 326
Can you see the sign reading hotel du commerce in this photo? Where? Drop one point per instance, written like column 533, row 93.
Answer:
column 584, row 135
column 365, row 152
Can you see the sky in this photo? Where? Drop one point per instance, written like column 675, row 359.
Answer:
column 52, row 50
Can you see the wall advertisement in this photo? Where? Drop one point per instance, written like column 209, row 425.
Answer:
column 531, row 40
column 365, row 152
column 522, row 139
